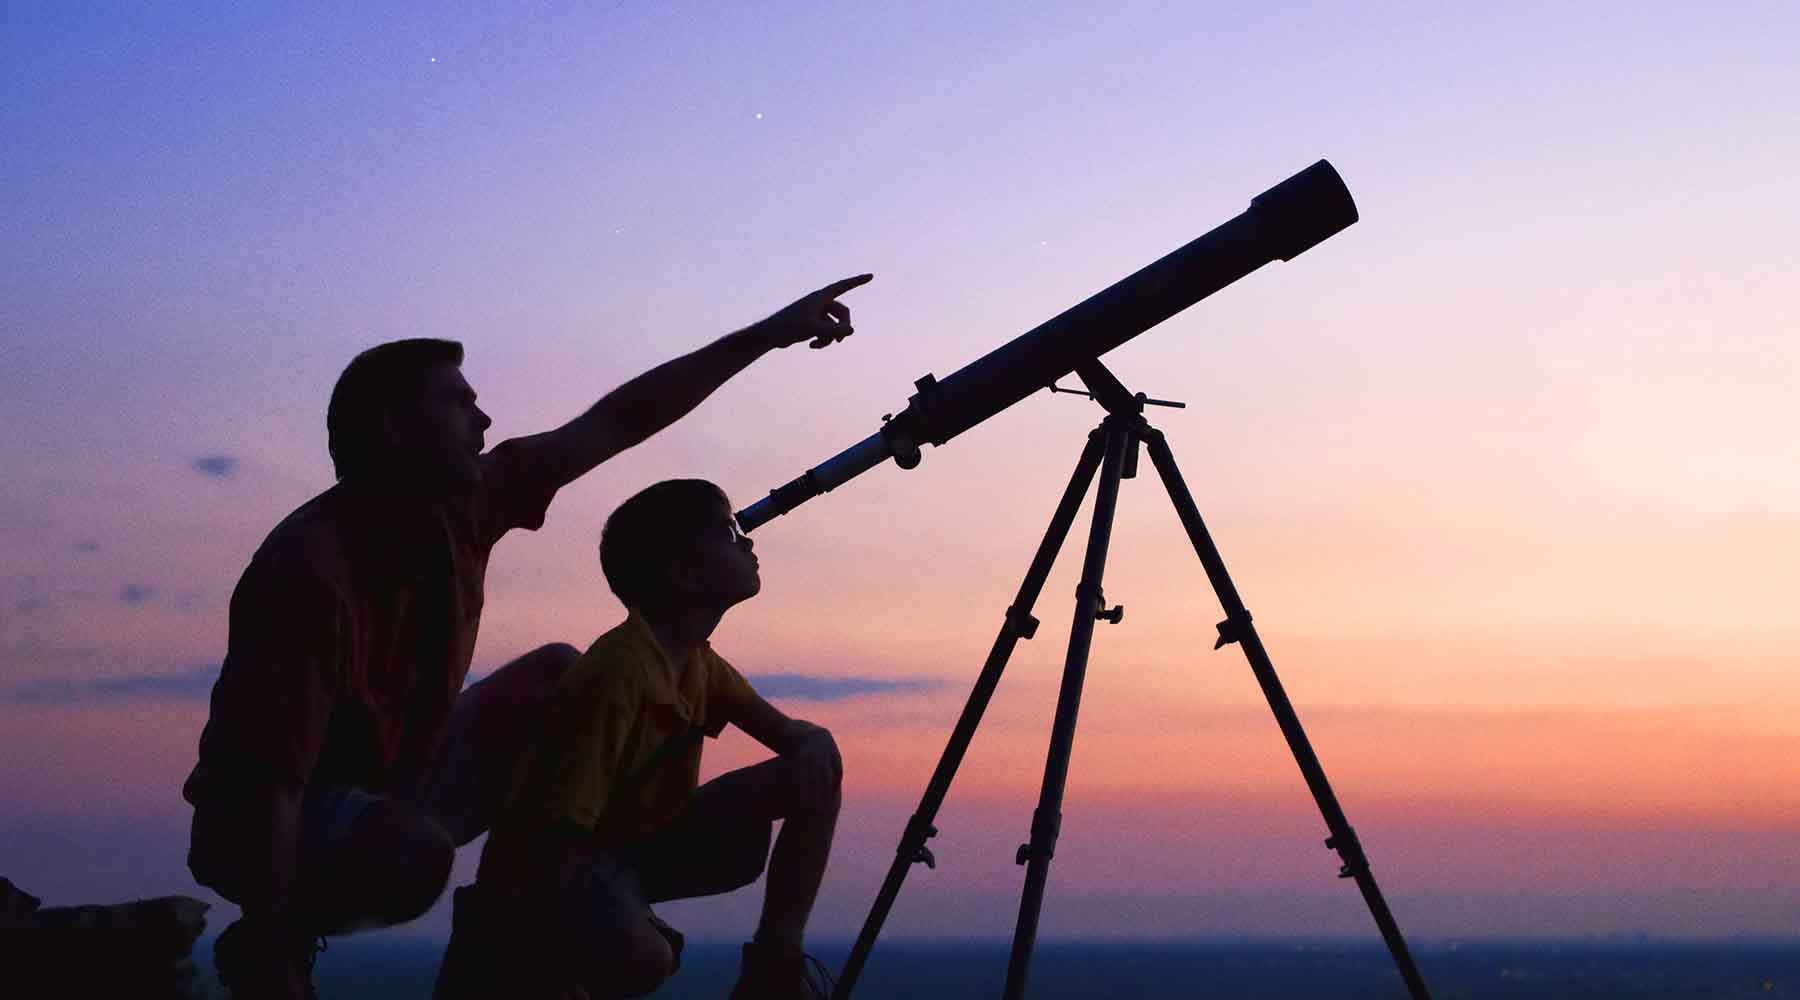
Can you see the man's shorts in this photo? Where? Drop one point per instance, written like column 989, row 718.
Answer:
column 226, row 844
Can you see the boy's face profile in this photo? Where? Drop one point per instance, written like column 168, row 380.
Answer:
column 721, row 568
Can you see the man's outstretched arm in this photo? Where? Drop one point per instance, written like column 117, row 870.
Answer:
column 664, row 394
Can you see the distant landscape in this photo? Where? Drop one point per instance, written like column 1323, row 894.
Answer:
column 1266, row 970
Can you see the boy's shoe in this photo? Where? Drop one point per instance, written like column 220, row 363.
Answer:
column 770, row 972
column 254, row 964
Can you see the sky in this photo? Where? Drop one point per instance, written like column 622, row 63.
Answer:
column 1506, row 471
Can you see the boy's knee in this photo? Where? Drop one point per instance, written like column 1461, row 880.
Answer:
column 813, row 777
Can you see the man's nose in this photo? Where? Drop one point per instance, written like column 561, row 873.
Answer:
column 482, row 420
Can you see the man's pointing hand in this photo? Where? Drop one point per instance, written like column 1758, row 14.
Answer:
column 818, row 317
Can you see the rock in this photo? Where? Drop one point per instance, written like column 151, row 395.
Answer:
column 138, row 949
column 15, row 903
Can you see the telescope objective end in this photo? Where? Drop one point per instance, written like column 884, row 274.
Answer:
column 1304, row 210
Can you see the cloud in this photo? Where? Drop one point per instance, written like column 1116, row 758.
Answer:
column 807, row 687
column 216, row 466
column 194, row 684
column 87, row 545
column 136, row 593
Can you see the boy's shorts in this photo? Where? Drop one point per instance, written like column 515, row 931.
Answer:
column 501, row 939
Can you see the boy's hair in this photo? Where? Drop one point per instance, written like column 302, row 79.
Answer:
column 383, row 378
column 651, row 532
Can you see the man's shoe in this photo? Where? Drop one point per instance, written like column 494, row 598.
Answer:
column 254, row 963
column 771, row 972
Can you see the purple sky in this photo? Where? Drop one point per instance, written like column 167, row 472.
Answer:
column 1506, row 470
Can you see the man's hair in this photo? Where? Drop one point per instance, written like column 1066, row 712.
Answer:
column 651, row 532
column 377, row 381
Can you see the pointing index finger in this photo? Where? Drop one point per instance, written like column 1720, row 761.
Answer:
column 838, row 288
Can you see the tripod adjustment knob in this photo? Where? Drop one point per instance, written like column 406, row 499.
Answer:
column 1115, row 614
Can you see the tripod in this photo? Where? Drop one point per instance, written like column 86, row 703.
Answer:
column 1112, row 452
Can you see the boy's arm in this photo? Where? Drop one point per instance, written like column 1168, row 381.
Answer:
column 664, row 394
column 811, row 744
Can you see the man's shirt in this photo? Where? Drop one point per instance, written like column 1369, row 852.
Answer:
column 346, row 648
column 611, row 713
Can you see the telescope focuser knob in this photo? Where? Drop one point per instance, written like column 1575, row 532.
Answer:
column 904, row 449
column 1115, row 614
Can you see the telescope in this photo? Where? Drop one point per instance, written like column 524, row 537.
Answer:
column 1280, row 224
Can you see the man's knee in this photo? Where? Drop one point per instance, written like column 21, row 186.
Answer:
column 512, row 693
column 554, row 657
column 533, row 673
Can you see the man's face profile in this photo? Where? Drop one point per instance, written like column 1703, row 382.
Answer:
column 440, row 437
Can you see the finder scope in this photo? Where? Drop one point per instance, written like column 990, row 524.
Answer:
column 1280, row 224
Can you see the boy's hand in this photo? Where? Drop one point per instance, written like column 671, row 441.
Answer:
column 817, row 317
column 821, row 767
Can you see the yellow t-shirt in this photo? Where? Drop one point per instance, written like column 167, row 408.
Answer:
column 609, row 714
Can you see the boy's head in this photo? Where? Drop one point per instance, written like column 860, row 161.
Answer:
column 675, row 547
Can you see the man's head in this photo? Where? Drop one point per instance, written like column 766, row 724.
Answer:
column 675, row 547
column 403, row 411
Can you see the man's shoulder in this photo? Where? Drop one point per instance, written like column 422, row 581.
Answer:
column 306, row 548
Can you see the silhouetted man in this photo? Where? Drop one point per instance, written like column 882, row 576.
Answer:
column 340, row 767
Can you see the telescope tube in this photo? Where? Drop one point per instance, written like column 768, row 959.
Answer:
column 1280, row 224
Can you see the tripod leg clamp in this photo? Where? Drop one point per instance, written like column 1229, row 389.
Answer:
column 1044, row 831
column 1022, row 624
column 912, row 842
column 1233, row 630
column 1350, row 850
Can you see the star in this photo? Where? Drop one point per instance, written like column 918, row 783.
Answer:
column 759, row 116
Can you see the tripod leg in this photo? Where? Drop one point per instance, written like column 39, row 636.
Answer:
column 1018, row 625
column 1237, row 628
column 1047, row 819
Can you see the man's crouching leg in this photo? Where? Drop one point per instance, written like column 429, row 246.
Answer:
column 491, row 727
column 364, row 861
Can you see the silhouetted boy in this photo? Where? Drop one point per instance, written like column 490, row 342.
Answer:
column 340, row 767
column 606, row 818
